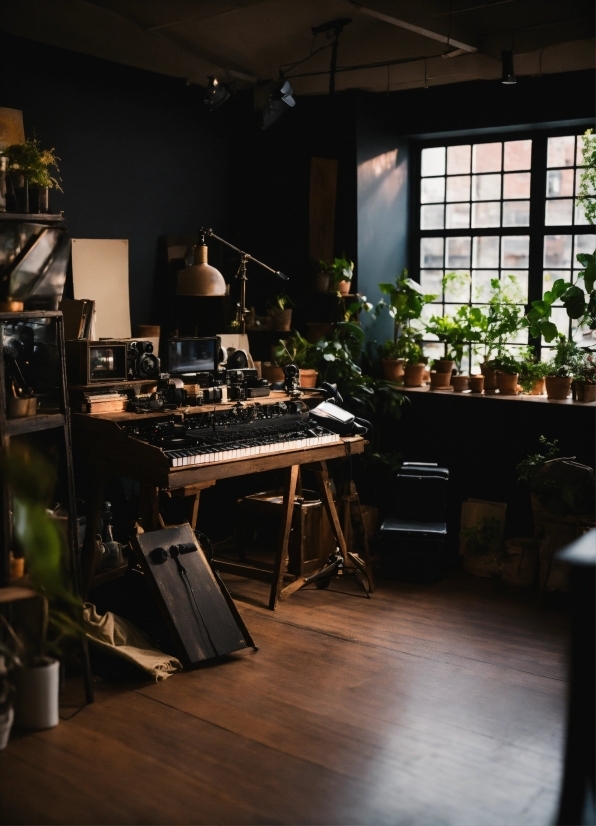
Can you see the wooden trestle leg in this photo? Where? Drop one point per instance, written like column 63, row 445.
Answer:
column 284, row 534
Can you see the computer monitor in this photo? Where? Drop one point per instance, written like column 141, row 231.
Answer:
column 193, row 355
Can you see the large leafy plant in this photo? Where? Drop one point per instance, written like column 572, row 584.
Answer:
column 405, row 302
column 296, row 350
column 30, row 158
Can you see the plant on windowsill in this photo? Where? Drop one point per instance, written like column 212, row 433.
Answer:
column 497, row 326
column 564, row 365
column 507, row 370
column 297, row 350
column 584, row 380
column 453, row 334
column 532, row 374
column 340, row 273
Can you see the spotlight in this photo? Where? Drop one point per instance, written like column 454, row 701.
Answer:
column 279, row 99
column 507, row 62
column 215, row 93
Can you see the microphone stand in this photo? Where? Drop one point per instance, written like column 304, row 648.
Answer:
column 241, row 273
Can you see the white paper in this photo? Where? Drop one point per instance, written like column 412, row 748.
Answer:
column 100, row 272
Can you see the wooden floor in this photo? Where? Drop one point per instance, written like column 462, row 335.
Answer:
column 428, row 704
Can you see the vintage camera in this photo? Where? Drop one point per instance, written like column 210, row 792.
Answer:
column 246, row 384
column 142, row 363
column 291, row 378
column 88, row 362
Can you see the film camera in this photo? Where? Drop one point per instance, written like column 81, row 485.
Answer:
column 141, row 361
column 245, row 384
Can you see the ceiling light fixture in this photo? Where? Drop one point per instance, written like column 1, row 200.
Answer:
column 279, row 100
column 508, row 77
column 215, row 93
column 332, row 29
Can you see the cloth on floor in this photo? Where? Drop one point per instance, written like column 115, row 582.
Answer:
column 112, row 633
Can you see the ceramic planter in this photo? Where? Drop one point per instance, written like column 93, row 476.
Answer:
column 439, row 381
column 477, row 384
column 490, row 378
column 393, row 369
column 343, row 287
column 444, row 366
column 413, row 375
column 507, row 383
column 6, row 721
column 538, row 389
column 39, row 199
column 36, row 704
column 308, row 378
column 282, row 320
column 460, row 383
column 585, row 392
column 558, row 387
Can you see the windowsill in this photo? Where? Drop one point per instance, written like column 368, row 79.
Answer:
column 448, row 391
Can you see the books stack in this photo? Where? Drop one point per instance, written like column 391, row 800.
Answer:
column 111, row 402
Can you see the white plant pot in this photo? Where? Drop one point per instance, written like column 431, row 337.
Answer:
column 37, row 690
column 6, row 721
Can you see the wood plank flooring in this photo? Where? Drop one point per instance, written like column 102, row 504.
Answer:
column 428, row 704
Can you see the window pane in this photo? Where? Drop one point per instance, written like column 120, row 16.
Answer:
column 481, row 290
column 486, row 252
column 432, row 190
column 580, row 216
column 432, row 217
column 486, row 215
column 458, row 287
column 433, row 161
column 518, row 155
column 486, row 187
column 515, row 251
column 431, row 252
column 561, row 151
column 559, row 212
column 458, row 160
column 561, row 319
column 557, row 251
column 516, row 185
column 458, row 216
column 458, row 188
column 550, row 276
column 519, row 286
column 458, row 253
column 516, row 214
column 559, row 183
column 584, row 243
column 430, row 281
column 486, row 157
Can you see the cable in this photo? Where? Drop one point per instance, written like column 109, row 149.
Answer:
column 175, row 553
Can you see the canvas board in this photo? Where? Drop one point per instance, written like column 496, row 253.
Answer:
column 100, row 273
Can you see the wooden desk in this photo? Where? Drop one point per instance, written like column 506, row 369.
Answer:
column 108, row 450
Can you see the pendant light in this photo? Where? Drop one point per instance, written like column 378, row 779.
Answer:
column 201, row 278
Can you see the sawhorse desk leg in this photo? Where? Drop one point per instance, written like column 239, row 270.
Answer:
column 284, row 534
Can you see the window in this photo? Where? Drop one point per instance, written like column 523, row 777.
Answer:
column 499, row 210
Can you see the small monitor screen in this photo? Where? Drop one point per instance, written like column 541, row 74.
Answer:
column 192, row 355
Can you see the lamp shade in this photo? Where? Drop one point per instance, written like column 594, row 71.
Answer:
column 201, row 278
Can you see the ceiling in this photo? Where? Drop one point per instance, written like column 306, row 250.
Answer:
column 388, row 45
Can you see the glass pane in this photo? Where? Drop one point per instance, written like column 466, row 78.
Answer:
column 559, row 213
column 486, row 252
column 518, row 155
column 431, row 252
column 550, row 276
column 561, row 151
column 432, row 217
column 519, row 286
column 516, row 185
column 457, row 287
column 458, row 160
column 516, row 213
column 433, row 161
column 430, row 281
column 584, row 243
column 486, row 187
column 458, row 216
column 559, row 183
column 557, row 251
column 434, row 350
column 486, row 214
column 458, row 188
column 432, row 190
column 481, row 290
column 561, row 319
column 580, row 216
column 515, row 250
column 458, row 253
column 579, row 155
column 486, row 157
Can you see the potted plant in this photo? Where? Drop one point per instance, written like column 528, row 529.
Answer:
column 532, row 374
column 584, row 380
column 281, row 312
column 297, row 350
column 405, row 303
column 29, row 178
column 507, row 373
column 495, row 327
column 453, row 336
column 340, row 273
column 565, row 364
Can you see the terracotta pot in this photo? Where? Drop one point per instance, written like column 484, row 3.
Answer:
column 271, row 372
column 507, row 383
column 426, row 374
column 460, row 383
column 476, row 384
column 558, row 387
column 344, row 287
column 282, row 320
column 439, row 381
column 393, row 369
column 538, row 389
column 322, row 282
column 413, row 374
column 585, row 392
column 444, row 365
column 490, row 378
column 308, row 378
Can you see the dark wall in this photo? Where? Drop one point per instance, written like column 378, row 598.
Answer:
column 139, row 155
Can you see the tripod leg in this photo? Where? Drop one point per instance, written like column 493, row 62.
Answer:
column 322, row 477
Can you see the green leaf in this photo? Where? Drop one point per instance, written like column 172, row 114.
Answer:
column 549, row 331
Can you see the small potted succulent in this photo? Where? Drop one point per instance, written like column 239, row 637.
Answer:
column 565, row 364
column 585, row 379
column 281, row 312
column 340, row 273
column 297, row 350
column 507, row 373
